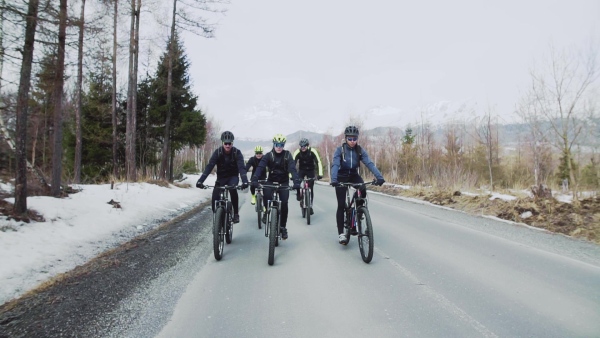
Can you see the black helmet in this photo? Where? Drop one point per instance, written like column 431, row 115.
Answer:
column 351, row 131
column 227, row 136
column 304, row 142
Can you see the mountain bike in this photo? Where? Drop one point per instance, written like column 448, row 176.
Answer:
column 357, row 220
column 306, row 199
column 259, row 206
column 272, row 229
column 222, row 220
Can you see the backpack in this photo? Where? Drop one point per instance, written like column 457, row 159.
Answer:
column 222, row 154
column 358, row 151
column 286, row 159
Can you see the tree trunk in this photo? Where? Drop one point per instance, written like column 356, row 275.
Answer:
column 78, row 113
column 165, row 172
column 58, row 101
column 20, row 206
column 130, row 129
column 114, row 93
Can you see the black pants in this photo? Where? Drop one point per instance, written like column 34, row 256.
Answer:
column 233, row 194
column 340, row 193
column 284, row 196
column 311, row 184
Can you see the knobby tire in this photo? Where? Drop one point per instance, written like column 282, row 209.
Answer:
column 259, row 209
column 218, row 233
column 273, row 234
column 307, row 206
column 365, row 234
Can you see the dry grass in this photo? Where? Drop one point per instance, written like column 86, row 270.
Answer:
column 581, row 220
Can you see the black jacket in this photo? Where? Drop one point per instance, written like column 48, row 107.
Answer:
column 228, row 165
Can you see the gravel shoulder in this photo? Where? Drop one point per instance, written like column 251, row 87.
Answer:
column 82, row 302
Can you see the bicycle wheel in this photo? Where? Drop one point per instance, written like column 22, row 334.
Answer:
column 259, row 209
column 307, row 206
column 273, row 234
column 218, row 233
column 303, row 205
column 365, row 234
column 229, row 229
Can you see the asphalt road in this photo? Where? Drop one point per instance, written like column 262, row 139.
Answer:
column 435, row 273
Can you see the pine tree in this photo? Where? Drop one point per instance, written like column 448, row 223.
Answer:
column 188, row 124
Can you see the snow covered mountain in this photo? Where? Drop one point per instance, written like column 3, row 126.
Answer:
column 261, row 122
column 435, row 114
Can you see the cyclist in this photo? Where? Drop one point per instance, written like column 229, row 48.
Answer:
column 346, row 161
column 308, row 160
column 230, row 167
column 280, row 164
column 253, row 163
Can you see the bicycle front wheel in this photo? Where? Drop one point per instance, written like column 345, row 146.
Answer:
column 259, row 207
column 307, row 206
column 219, row 233
column 273, row 234
column 365, row 234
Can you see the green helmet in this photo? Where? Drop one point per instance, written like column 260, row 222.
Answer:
column 258, row 150
column 279, row 138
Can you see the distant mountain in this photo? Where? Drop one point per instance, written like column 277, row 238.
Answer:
column 263, row 121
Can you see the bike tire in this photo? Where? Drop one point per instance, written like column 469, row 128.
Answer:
column 277, row 232
column 307, row 207
column 259, row 209
column 365, row 234
column 273, row 234
column 348, row 228
column 218, row 233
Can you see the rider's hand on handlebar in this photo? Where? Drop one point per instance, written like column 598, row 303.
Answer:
column 244, row 186
column 255, row 184
column 335, row 184
column 200, row 185
column 380, row 181
column 296, row 186
column 319, row 177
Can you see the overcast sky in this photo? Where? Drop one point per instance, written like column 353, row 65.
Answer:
column 343, row 57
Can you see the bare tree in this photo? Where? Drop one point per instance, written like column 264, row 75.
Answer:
column 130, row 134
column 58, row 101
column 20, row 206
column 78, row 111
column 114, row 91
column 487, row 136
column 561, row 91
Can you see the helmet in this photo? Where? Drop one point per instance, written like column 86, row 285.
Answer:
column 258, row 150
column 304, row 142
column 351, row 131
column 279, row 138
column 227, row 136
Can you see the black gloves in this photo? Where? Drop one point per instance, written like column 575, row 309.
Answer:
column 296, row 186
column 244, row 185
column 380, row 181
column 319, row 177
column 335, row 184
column 255, row 184
column 200, row 185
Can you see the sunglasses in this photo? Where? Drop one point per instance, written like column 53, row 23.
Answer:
column 352, row 139
column 279, row 145
column 227, row 143
column 303, row 146
column 258, row 153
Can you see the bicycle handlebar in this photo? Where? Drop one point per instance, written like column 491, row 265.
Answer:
column 224, row 187
column 275, row 185
column 356, row 185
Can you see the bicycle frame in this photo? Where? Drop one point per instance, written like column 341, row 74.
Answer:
column 222, row 228
column 306, row 198
column 272, row 228
column 354, row 217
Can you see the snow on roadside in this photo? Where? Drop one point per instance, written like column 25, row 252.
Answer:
column 83, row 225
